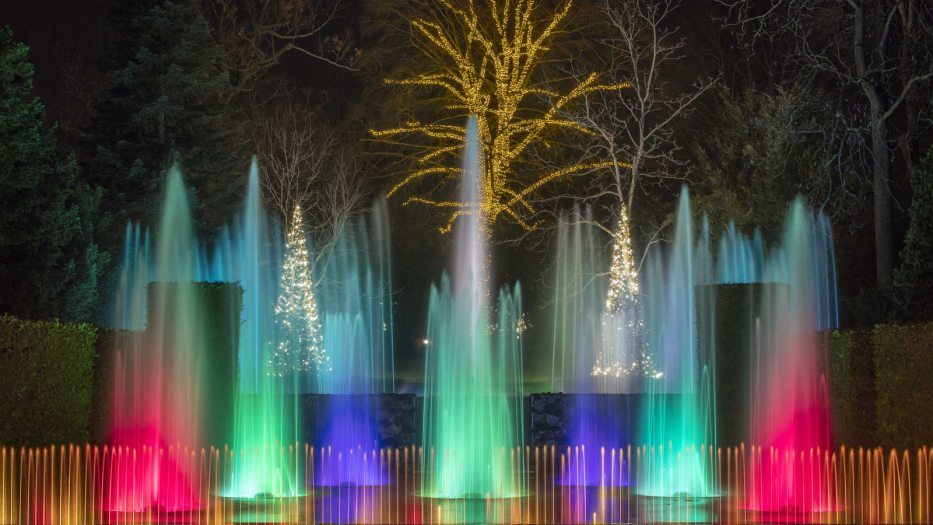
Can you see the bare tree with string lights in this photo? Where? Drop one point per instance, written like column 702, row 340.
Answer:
column 485, row 62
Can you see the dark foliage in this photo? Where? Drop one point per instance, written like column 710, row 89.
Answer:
column 168, row 101
column 914, row 277
column 49, row 263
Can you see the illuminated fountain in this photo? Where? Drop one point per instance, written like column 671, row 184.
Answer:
column 789, row 419
column 677, row 420
column 473, row 366
column 165, row 377
column 266, row 415
column 157, row 394
column 668, row 357
column 597, row 345
column 353, row 292
column 794, row 298
column 661, row 463
column 61, row 485
column 355, row 287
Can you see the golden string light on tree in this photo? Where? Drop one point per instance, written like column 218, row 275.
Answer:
column 484, row 63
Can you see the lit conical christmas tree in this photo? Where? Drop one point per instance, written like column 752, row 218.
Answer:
column 623, row 279
column 624, row 351
column 301, row 339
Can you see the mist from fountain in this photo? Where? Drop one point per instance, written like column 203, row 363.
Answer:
column 355, row 292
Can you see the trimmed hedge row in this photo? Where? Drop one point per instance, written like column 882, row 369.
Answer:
column 882, row 386
column 56, row 378
column 730, row 338
column 46, row 371
column 904, row 381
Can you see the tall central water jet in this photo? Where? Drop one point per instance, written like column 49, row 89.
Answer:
column 677, row 419
column 473, row 392
column 266, row 418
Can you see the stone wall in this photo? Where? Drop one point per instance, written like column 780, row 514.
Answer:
column 573, row 419
column 395, row 416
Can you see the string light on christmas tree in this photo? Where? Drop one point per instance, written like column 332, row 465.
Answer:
column 623, row 278
column 622, row 319
column 300, row 345
column 486, row 67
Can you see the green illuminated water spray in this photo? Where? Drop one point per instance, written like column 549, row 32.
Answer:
column 473, row 393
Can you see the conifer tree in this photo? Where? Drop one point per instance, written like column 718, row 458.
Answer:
column 623, row 278
column 49, row 262
column 300, row 345
column 624, row 351
column 168, row 101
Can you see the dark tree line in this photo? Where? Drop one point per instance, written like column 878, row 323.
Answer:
column 748, row 105
column 50, row 265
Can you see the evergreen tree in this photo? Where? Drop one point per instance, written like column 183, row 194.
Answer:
column 623, row 278
column 913, row 280
column 168, row 101
column 624, row 351
column 767, row 149
column 301, row 339
column 49, row 263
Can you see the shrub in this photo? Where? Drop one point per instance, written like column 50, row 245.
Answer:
column 45, row 393
column 852, row 388
column 903, row 357
column 913, row 280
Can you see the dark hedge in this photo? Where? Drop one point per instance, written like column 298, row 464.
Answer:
column 852, row 388
column 57, row 378
column 903, row 358
column 45, row 390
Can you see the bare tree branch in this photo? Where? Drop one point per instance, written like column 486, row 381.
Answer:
column 636, row 125
column 301, row 165
column 881, row 46
column 256, row 34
